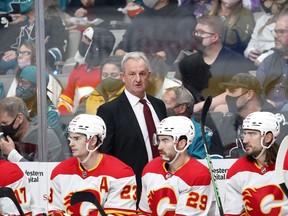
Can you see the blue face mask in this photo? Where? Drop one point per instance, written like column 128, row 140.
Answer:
column 25, row 92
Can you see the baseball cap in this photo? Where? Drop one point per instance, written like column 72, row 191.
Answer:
column 30, row 73
column 242, row 80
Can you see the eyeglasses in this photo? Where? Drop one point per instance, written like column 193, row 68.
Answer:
column 24, row 53
column 114, row 74
column 201, row 33
column 279, row 32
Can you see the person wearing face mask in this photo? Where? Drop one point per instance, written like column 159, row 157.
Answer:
column 20, row 142
column 244, row 96
column 180, row 102
column 111, row 86
column 224, row 63
column 262, row 42
column 27, row 91
column 97, row 44
column 162, row 28
column 26, row 57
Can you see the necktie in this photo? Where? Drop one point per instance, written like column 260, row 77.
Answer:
column 150, row 126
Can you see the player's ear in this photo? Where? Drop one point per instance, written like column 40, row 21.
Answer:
column 268, row 137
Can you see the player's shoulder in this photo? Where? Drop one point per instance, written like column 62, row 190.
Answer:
column 154, row 166
column 12, row 173
column 195, row 173
column 67, row 166
column 240, row 165
column 114, row 167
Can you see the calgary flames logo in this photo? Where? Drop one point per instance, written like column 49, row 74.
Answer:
column 162, row 197
column 265, row 200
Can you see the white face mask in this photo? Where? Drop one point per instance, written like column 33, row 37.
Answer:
column 150, row 3
column 23, row 63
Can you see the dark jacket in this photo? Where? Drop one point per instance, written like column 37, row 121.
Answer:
column 269, row 73
column 227, row 64
column 124, row 138
column 168, row 29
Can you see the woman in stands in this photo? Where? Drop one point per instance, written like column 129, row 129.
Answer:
column 238, row 20
column 26, row 55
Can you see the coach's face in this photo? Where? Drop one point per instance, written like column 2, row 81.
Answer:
column 135, row 77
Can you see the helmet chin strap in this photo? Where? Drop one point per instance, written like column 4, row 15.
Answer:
column 89, row 152
column 261, row 153
column 263, row 148
column 177, row 153
column 174, row 159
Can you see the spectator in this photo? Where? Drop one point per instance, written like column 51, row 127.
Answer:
column 21, row 135
column 180, row 102
column 27, row 91
column 106, row 10
column 251, row 179
column 158, row 81
column 262, row 41
column 124, row 117
column 13, row 12
column 89, row 170
column 223, row 62
column 97, row 44
column 55, row 34
column 244, row 96
column 17, row 181
column 239, row 23
column 26, row 56
column 166, row 177
column 147, row 33
column 110, row 87
column 272, row 72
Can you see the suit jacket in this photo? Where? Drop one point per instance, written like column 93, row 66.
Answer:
column 124, row 138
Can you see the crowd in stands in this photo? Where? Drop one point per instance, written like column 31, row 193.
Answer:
column 172, row 56
column 195, row 44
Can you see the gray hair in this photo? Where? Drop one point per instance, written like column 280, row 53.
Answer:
column 13, row 106
column 135, row 56
column 184, row 96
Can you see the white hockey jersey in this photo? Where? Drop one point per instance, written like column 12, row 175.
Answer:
column 13, row 177
column 188, row 191
column 252, row 190
column 111, row 181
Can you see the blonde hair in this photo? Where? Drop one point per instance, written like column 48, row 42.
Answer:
column 236, row 11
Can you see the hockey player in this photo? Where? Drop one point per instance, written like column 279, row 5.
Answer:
column 111, row 181
column 175, row 183
column 251, row 188
column 17, row 181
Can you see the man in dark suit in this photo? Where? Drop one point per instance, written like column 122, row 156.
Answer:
column 127, row 135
